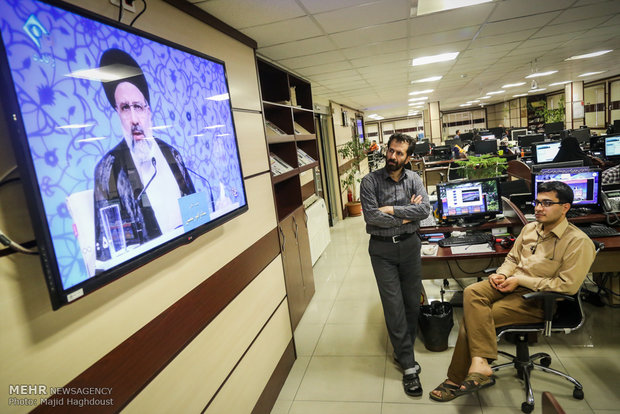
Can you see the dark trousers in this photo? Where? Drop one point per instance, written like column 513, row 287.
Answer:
column 398, row 269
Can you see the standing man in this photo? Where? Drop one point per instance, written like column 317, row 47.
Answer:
column 549, row 255
column 394, row 201
column 457, row 134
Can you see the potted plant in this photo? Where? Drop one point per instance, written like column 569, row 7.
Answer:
column 551, row 115
column 354, row 150
column 484, row 166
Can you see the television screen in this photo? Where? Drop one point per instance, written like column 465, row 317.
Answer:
column 125, row 142
column 585, row 183
column 545, row 151
column 474, row 198
column 612, row 146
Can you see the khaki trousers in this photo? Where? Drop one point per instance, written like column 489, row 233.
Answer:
column 484, row 309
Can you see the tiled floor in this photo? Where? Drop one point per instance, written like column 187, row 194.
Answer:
column 344, row 360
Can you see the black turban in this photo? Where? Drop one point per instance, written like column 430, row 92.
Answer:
column 120, row 63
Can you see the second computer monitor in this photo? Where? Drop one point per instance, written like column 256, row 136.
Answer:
column 515, row 133
column 488, row 146
column 545, row 151
column 526, row 141
column 612, row 146
column 422, row 148
column 585, row 183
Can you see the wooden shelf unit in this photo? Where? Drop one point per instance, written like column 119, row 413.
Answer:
column 287, row 106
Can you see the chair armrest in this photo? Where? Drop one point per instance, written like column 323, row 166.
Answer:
column 549, row 300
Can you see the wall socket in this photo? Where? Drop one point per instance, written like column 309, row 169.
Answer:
column 127, row 5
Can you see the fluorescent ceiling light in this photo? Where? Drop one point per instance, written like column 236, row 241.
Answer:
column 591, row 73
column 434, row 6
column 222, row 97
column 512, row 85
column 74, row 126
column 422, row 98
column 484, row 97
column 474, row 101
column 465, row 104
column 425, row 60
column 495, row 92
column 589, row 55
column 430, row 79
column 421, row 92
column 519, row 95
column 559, row 83
column 535, row 75
column 537, row 90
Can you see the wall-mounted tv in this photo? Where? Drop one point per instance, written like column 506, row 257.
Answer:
column 125, row 142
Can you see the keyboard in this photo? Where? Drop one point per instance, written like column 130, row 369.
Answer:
column 599, row 231
column 477, row 238
column 430, row 221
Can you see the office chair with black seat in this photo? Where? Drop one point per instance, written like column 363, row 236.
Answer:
column 519, row 170
column 567, row 317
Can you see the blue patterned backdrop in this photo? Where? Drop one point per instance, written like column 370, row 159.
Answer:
column 43, row 45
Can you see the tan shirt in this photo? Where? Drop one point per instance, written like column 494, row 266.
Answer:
column 558, row 261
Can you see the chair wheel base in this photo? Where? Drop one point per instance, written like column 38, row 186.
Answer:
column 527, row 408
column 545, row 362
column 578, row 394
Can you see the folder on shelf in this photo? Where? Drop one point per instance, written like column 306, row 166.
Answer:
column 278, row 166
column 273, row 129
column 299, row 130
column 303, row 158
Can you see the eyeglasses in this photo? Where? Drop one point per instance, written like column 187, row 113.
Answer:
column 546, row 203
column 125, row 108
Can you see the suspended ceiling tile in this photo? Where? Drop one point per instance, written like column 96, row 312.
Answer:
column 383, row 58
column 580, row 13
column 450, row 19
column 313, row 60
column 371, row 34
column 447, row 37
column 357, row 17
column 298, row 48
column 518, row 24
column 271, row 34
column 319, row 6
column 327, row 68
column 376, row 48
column 510, row 9
column 574, row 28
column 241, row 14
column 344, row 74
column 419, row 49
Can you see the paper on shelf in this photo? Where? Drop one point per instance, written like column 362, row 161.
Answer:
column 472, row 248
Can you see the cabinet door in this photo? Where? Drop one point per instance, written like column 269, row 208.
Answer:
column 292, row 270
column 300, row 222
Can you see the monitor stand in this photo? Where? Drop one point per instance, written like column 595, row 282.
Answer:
column 469, row 222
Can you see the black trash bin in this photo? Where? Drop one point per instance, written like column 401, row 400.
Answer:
column 435, row 323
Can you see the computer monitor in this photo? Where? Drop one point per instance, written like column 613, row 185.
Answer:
column 486, row 136
column 585, row 183
column 582, row 135
column 515, row 133
column 488, row 146
column 422, row 148
column 545, row 151
column 453, row 142
column 442, row 151
column 554, row 127
column 497, row 131
column 467, row 136
column 612, row 146
column 526, row 141
column 536, row 168
column 469, row 201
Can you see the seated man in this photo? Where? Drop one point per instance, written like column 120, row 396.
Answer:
column 549, row 255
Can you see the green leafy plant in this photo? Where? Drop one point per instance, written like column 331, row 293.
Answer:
column 485, row 166
column 356, row 152
column 551, row 115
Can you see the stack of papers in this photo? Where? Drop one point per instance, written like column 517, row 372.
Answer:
column 472, row 248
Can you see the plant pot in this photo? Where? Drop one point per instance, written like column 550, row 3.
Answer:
column 354, row 208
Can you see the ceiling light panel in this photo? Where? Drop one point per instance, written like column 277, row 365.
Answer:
column 425, row 60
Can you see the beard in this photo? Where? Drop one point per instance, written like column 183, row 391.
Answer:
column 392, row 165
column 141, row 148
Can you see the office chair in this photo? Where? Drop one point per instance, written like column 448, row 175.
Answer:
column 568, row 317
column 520, row 170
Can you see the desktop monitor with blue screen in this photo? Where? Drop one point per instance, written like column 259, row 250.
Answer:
column 545, row 151
column 536, row 168
column 585, row 183
column 488, row 146
column 612, row 146
column 468, row 201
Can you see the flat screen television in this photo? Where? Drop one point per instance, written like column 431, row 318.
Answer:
column 468, row 202
column 545, row 151
column 125, row 142
column 612, row 146
column 585, row 183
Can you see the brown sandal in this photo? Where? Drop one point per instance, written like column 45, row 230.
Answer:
column 475, row 382
column 447, row 391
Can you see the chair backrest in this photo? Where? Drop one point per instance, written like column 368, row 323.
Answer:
column 520, row 170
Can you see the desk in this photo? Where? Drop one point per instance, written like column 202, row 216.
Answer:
column 433, row 171
column 447, row 265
